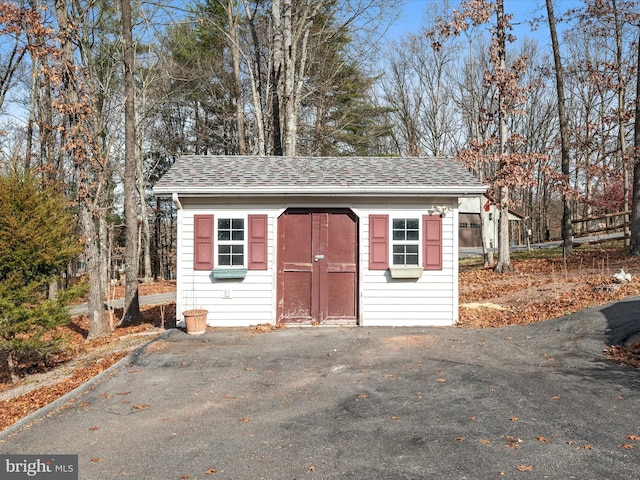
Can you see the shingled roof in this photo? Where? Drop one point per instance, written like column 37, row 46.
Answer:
column 248, row 175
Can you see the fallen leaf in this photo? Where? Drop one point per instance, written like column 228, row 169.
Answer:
column 633, row 437
column 543, row 439
column 628, row 446
column 97, row 459
column 513, row 419
column 123, row 393
column 484, row 441
column 210, row 471
column 363, row 395
column 388, row 375
column 554, row 397
column 441, row 380
column 142, row 406
column 513, row 442
column 243, row 419
column 137, row 370
column 249, row 369
column 311, row 469
column 83, row 405
column 185, row 476
column 501, row 473
column 525, row 468
column 395, row 417
column 472, row 418
column 94, row 428
column 460, row 439
column 587, row 447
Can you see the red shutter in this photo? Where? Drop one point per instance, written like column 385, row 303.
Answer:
column 258, row 231
column 378, row 242
column 203, row 242
column 432, row 242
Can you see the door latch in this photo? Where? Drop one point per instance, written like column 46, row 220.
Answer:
column 319, row 257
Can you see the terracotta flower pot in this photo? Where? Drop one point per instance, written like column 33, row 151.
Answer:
column 196, row 321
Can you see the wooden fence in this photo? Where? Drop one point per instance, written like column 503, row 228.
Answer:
column 601, row 224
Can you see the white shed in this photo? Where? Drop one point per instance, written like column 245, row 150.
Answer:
column 308, row 240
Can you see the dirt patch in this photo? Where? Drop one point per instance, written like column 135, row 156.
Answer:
column 401, row 341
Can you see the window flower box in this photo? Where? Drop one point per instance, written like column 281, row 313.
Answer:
column 406, row 271
column 229, row 273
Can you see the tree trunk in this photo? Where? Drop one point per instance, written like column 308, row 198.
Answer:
column 567, row 234
column 237, row 81
column 257, row 88
column 98, row 326
column 622, row 90
column 634, row 246
column 131, row 303
column 277, row 71
column 504, row 258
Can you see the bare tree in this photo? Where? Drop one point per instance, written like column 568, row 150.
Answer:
column 78, row 142
column 634, row 246
column 131, row 302
column 567, row 235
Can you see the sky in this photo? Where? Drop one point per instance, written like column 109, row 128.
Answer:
column 523, row 10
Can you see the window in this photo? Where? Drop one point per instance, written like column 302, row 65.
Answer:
column 238, row 242
column 406, row 241
column 231, row 242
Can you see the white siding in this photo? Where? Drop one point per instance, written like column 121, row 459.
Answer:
column 231, row 302
column 429, row 300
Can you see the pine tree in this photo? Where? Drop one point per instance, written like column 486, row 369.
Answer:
column 37, row 241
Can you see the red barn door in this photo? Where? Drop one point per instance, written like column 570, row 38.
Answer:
column 317, row 267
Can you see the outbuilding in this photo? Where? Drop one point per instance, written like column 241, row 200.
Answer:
column 318, row 240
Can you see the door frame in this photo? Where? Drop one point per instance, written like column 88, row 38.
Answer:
column 304, row 210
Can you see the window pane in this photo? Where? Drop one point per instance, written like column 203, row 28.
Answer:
column 398, row 259
column 412, row 224
column 224, row 235
column 412, row 260
column 399, row 235
column 399, row 223
column 224, row 224
column 237, row 235
column 413, row 235
column 238, row 224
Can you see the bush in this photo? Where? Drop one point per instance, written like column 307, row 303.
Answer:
column 37, row 241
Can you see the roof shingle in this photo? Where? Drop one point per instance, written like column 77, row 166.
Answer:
column 200, row 174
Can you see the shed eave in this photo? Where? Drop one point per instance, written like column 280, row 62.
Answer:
column 348, row 191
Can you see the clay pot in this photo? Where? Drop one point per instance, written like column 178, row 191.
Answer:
column 196, row 321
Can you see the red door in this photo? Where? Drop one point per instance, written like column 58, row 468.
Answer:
column 317, row 267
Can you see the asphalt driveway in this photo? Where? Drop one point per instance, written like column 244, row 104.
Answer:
column 529, row 402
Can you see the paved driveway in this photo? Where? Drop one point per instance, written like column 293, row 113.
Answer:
column 365, row 403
